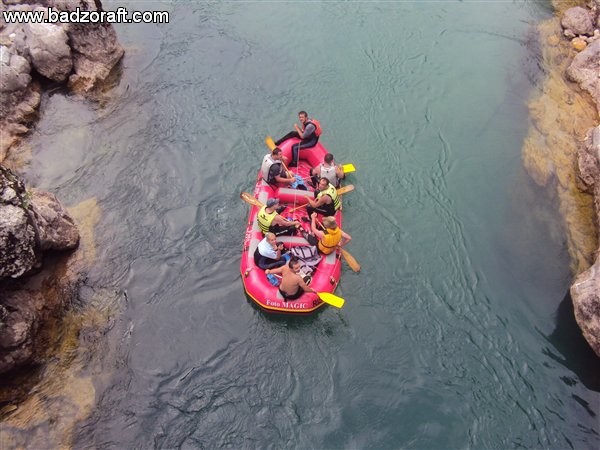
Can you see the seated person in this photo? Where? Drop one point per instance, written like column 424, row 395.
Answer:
column 292, row 285
column 268, row 253
column 327, row 169
column 269, row 219
column 273, row 170
column 326, row 202
column 308, row 135
column 331, row 237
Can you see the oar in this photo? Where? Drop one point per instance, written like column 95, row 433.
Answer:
column 348, row 168
column 340, row 191
column 345, row 189
column 352, row 262
column 331, row 299
column 269, row 142
column 251, row 200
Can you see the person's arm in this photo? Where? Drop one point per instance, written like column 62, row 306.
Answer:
column 279, row 176
column 313, row 226
column 345, row 239
column 304, row 286
column 278, row 220
column 339, row 172
column 308, row 131
column 277, row 270
column 298, row 130
column 321, row 201
column 281, row 179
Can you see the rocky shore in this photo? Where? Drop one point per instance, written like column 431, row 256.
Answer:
column 563, row 145
column 39, row 238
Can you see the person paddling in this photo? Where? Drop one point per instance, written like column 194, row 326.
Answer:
column 331, row 237
column 273, row 170
column 327, row 201
column 268, row 219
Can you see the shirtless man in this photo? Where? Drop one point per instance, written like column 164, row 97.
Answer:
column 292, row 285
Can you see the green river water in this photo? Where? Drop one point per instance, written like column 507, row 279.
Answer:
column 458, row 331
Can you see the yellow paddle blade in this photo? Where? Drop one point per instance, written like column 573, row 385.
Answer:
column 353, row 263
column 345, row 189
column 331, row 299
column 348, row 168
column 269, row 142
column 250, row 200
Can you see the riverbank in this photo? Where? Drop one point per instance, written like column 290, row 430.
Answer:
column 558, row 151
column 42, row 263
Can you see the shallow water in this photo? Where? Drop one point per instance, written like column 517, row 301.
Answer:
column 457, row 331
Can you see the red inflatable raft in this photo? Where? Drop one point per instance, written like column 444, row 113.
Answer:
column 327, row 274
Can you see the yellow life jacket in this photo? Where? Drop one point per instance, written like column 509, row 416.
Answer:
column 331, row 239
column 332, row 192
column 265, row 219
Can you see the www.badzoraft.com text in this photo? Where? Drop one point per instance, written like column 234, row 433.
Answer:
column 121, row 15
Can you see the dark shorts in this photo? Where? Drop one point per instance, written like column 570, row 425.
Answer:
column 295, row 296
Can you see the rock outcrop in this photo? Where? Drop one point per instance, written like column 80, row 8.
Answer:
column 82, row 55
column 18, row 240
column 30, row 223
column 585, row 69
column 582, row 23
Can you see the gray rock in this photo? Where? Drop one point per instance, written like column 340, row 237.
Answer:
column 96, row 52
column 585, row 70
column 19, row 251
column 588, row 162
column 18, row 327
column 585, row 293
column 56, row 228
column 50, row 54
column 14, row 71
column 579, row 20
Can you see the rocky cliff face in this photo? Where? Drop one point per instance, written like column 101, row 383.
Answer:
column 582, row 26
column 34, row 226
column 81, row 55
column 30, row 224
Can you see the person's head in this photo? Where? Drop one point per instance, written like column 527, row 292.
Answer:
column 302, row 116
column 272, row 202
column 323, row 183
column 328, row 158
column 294, row 264
column 271, row 238
column 276, row 154
column 329, row 222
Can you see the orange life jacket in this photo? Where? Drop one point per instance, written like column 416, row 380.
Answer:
column 331, row 239
column 317, row 125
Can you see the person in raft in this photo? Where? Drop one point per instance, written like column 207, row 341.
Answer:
column 292, row 285
column 308, row 133
column 326, row 201
column 331, row 237
column 268, row 254
column 327, row 169
column 273, row 170
column 269, row 219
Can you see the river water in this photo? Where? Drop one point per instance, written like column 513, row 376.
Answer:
column 456, row 334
